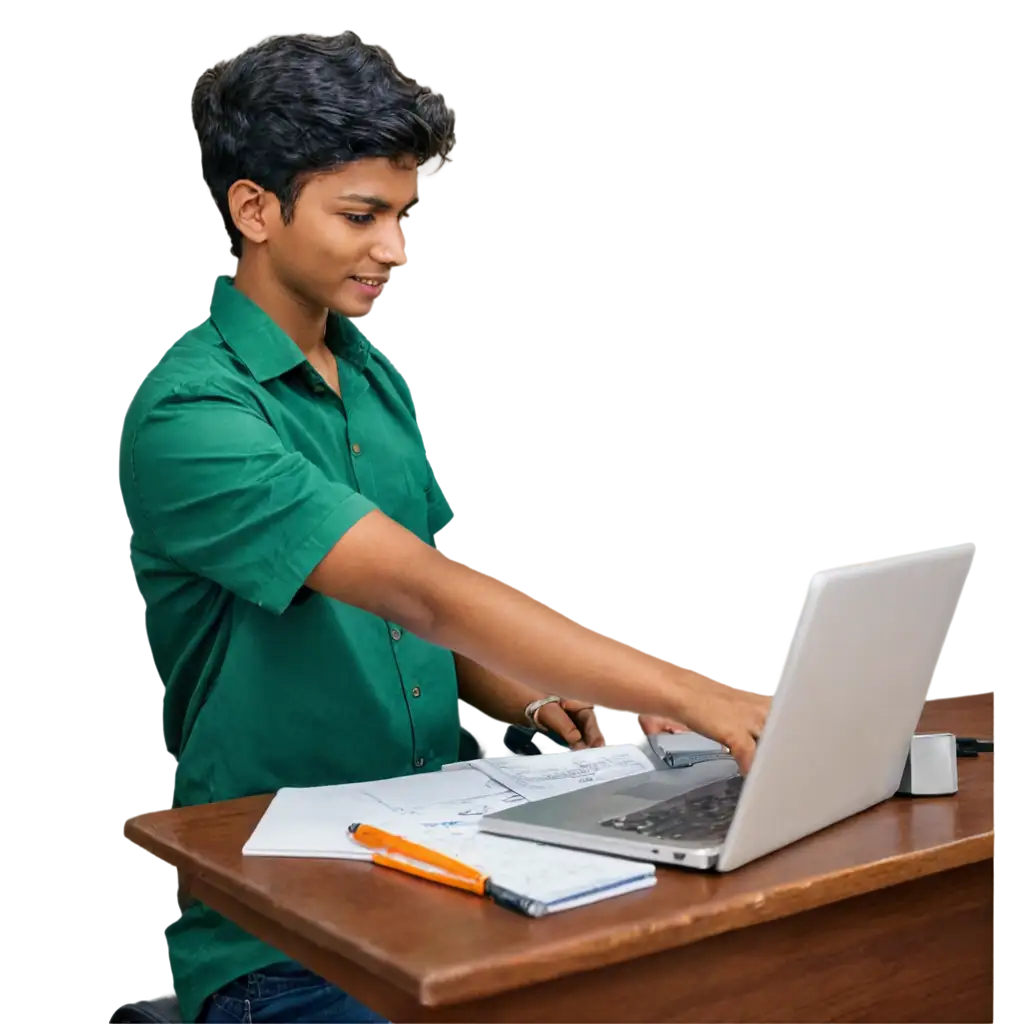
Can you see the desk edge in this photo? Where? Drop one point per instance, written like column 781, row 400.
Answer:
column 458, row 984
column 611, row 944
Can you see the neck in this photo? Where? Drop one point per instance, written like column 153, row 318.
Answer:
column 302, row 321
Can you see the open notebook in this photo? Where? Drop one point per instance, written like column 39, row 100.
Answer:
column 440, row 810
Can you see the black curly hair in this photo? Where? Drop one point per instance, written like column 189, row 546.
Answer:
column 295, row 106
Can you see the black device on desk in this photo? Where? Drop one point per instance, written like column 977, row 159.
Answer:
column 519, row 739
column 968, row 746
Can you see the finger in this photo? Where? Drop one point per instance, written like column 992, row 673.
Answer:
column 575, row 705
column 586, row 721
column 666, row 725
column 555, row 720
column 655, row 723
column 743, row 751
column 757, row 727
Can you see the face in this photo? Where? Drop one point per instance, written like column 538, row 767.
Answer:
column 344, row 236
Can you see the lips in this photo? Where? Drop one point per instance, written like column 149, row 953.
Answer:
column 369, row 287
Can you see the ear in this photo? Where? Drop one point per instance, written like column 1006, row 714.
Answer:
column 253, row 209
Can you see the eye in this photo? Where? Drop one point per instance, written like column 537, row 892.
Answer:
column 359, row 218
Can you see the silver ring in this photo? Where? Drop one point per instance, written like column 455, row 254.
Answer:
column 535, row 706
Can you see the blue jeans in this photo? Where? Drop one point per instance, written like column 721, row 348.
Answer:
column 284, row 993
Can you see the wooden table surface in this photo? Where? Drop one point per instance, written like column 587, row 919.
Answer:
column 377, row 931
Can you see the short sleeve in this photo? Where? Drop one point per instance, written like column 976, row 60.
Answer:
column 439, row 513
column 226, row 500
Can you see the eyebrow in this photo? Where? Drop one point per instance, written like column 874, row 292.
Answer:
column 376, row 202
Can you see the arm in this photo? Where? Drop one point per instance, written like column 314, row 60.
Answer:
column 381, row 567
column 208, row 481
column 494, row 695
column 506, row 700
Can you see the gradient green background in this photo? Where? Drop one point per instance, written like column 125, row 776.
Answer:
column 628, row 434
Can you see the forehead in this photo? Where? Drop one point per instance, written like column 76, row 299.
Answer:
column 394, row 181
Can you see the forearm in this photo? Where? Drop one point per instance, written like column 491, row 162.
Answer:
column 500, row 698
column 518, row 637
column 381, row 567
column 386, row 570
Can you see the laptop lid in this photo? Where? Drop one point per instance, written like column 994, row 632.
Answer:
column 850, row 696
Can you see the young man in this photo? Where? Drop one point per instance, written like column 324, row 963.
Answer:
column 284, row 511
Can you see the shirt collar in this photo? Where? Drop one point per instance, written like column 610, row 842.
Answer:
column 263, row 347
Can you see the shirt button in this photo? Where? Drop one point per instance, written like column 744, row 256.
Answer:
column 356, row 449
column 416, row 691
column 419, row 762
column 396, row 634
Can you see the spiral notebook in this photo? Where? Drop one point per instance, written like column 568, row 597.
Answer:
column 440, row 810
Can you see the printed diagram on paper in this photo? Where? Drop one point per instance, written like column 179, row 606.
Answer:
column 314, row 822
column 454, row 801
column 537, row 777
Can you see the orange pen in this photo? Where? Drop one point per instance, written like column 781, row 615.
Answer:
column 391, row 851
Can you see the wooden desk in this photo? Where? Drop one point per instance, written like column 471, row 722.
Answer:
column 886, row 916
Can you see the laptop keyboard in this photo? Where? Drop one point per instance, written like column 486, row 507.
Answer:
column 701, row 816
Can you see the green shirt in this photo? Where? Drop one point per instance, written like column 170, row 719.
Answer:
column 240, row 469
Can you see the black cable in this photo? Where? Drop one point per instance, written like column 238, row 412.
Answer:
column 968, row 746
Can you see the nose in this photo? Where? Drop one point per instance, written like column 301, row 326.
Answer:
column 389, row 247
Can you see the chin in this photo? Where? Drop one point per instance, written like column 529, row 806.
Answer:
column 345, row 306
column 350, row 307
column 347, row 310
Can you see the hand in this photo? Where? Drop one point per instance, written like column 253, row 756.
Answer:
column 733, row 717
column 574, row 721
column 655, row 723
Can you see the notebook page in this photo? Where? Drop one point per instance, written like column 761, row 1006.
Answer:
column 453, row 796
column 496, row 756
column 545, row 775
column 310, row 823
column 314, row 822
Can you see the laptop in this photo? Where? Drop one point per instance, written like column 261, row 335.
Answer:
column 836, row 741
